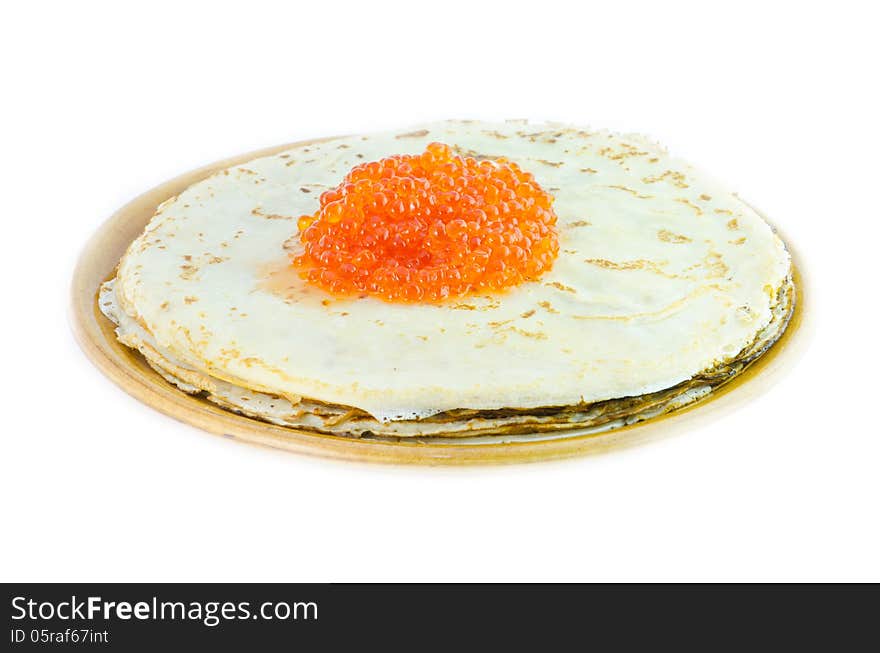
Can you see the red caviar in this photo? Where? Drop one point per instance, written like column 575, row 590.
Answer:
column 429, row 226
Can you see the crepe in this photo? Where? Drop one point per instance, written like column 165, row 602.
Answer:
column 665, row 286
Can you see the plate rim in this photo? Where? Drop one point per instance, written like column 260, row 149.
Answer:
column 94, row 333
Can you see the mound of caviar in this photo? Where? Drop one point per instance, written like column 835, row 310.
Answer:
column 429, row 226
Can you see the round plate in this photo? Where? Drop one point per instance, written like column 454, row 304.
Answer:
column 129, row 370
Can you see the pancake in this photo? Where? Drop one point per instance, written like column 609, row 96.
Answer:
column 666, row 285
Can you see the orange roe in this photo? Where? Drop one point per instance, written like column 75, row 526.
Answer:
column 426, row 227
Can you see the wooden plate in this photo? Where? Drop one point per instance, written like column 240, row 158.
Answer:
column 130, row 371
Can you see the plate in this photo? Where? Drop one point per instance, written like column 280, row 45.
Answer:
column 95, row 334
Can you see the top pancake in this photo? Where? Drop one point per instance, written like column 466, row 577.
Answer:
column 661, row 274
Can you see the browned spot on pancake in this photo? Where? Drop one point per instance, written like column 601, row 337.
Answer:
column 688, row 203
column 535, row 335
column 496, row 134
column 592, row 171
column 705, row 197
column 715, row 265
column 190, row 270
column 547, row 306
column 670, row 237
column 304, row 189
column 416, row 134
column 274, row 216
column 560, row 286
column 618, row 155
column 164, row 306
column 553, row 164
column 723, row 212
column 738, row 241
column 247, row 171
column 733, row 224
column 528, row 314
column 637, row 264
column 472, row 153
column 579, row 223
column 672, row 176
column 190, row 300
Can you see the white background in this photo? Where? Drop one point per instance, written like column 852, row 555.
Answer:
column 105, row 100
